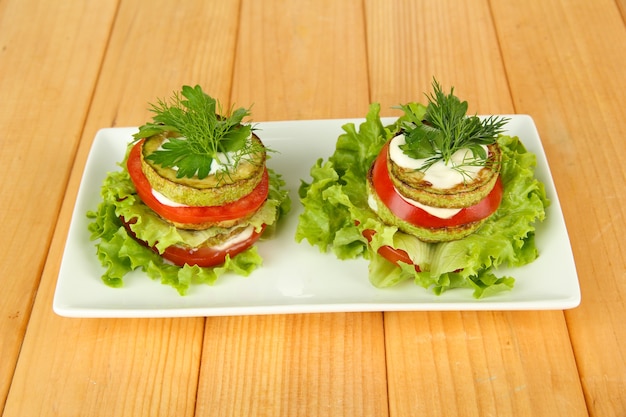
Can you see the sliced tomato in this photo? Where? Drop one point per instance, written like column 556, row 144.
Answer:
column 207, row 256
column 393, row 255
column 408, row 212
column 194, row 215
column 204, row 256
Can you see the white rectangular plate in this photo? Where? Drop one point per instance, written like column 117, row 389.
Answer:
column 296, row 277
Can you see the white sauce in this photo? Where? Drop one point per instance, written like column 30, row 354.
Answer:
column 238, row 238
column 166, row 201
column 440, row 174
column 371, row 202
column 442, row 213
column 223, row 162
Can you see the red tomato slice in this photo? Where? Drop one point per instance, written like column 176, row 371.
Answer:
column 393, row 255
column 415, row 215
column 194, row 215
column 205, row 256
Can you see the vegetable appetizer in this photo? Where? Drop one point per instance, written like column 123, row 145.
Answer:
column 437, row 197
column 193, row 196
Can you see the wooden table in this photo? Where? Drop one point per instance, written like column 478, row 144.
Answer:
column 69, row 68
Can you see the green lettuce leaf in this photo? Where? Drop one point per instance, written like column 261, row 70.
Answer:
column 120, row 254
column 336, row 213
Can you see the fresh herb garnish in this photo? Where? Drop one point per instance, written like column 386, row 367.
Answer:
column 444, row 129
column 201, row 131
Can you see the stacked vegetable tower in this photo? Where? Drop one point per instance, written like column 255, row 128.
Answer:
column 194, row 197
column 437, row 197
column 438, row 178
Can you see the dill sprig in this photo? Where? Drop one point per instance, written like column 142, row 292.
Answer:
column 443, row 129
column 201, row 130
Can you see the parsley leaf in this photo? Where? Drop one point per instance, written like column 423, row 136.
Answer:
column 199, row 130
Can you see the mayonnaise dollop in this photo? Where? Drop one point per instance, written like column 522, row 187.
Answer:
column 461, row 167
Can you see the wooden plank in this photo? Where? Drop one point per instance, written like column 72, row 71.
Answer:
column 573, row 86
column 293, row 365
column 45, row 93
column 294, row 62
column 482, row 363
column 411, row 42
column 126, row 367
column 621, row 4
column 302, row 60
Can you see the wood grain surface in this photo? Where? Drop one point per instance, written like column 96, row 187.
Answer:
column 50, row 56
column 69, row 69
